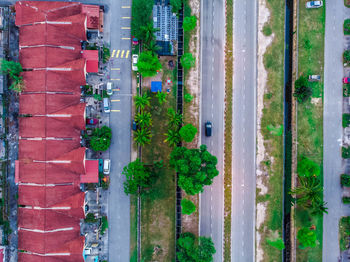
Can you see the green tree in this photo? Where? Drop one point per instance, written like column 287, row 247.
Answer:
column 141, row 15
column 345, row 152
column 309, row 192
column 143, row 119
column 188, row 132
column 152, row 47
column 137, row 175
column 346, row 120
column 142, row 136
column 345, row 180
column 319, row 208
column 303, row 91
column 192, row 249
column 13, row 70
column 142, row 101
column 187, row 206
column 306, row 237
column 148, row 64
column 161, row 97
column 176, row 5
column 101, row 138
column 187, row 60
column 196, row 168
column 147, row 33
column 307, row 167
column 276, row 243
column 175, row 119
column 188, row 98
column 172, row 137
column 190, row 23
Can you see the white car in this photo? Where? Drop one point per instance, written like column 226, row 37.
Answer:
column 314, row 4
column 109, row 88
column 135, row 59
column 106, row 166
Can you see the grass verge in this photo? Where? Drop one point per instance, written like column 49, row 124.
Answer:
column 271, row 125
column 344, row 233
column 133, row 228
column 158, row 206
column 310, row 114
column 228, row 130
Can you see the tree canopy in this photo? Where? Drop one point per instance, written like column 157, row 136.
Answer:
column 196, row 168
column 188, row 132
column 141, row 16
column 306, row 237
column 187, row 206
column 189, row 23
column 13, row 70
column 192, row 249
column 303, row 90
column 187, row 60
column 139, row 175
column 148, row 64
column 101, row 138
column 307, row 167
column 176, row 5
column 142, row 101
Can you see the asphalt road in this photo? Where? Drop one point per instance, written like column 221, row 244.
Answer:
column 212, row 109
column 120, row 122
column 336, row 12
column 244, row 131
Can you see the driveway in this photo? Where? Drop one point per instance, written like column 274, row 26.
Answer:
column 336, row 12
column 212, row 109
column 244, row 131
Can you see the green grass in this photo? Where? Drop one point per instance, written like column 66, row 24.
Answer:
column 133, row 228
column 228, row 130
column 310, row 115
column 271, row 128
column 158, row 206
column 344, row 233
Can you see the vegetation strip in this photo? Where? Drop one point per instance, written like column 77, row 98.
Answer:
column 228, row 130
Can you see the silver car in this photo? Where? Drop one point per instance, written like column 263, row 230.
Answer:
column 314, row 4
column 135, row 59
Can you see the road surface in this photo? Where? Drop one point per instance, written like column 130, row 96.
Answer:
column 212, row 109
column 244, row 131
column 336, row 12
column 120, row 122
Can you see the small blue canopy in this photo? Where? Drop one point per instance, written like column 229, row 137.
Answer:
column 156, row 86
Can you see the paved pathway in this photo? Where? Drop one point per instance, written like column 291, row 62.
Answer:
column 336, row 12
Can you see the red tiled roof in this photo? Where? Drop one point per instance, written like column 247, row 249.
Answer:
column 93, row 14
column 25, row 257
column 91, row 57
column 91, row 172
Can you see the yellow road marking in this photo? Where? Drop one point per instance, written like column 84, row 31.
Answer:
column 115, row 68
column 126, row 28
column 115, row 110
column 126, row 6
column 113, row 53
column 125, row 38
column 115, row 79
column 117, row 55
column 127, row 53
column 115, row 100
column 116, row 89
column 122, row 55
column 126, row 17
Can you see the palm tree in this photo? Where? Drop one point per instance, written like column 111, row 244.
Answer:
column 142, row 101
column 143, row 119
column 142, row 136
column 147, row 32
column 152, row 46
column 173, row 137
column 309, row 192
column 319, row 208
column 175, row 119
column 161, row 97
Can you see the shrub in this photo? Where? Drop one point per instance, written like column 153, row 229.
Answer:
column 104, row 225
column 187, row 60
column 306, row 237
column 188, row 98
column 302, row 91
column 187, row 207
column 346, row 200
column 267, row 30
column 188, row 132
column 345, row 152
column 307, row 167
column 277, row 243
column 106, row 54
column 346, row 90
column 189, row 23
column 346, row 120
column 345, row 180
column 90, row 218
column 347, row 27
column 346, row 56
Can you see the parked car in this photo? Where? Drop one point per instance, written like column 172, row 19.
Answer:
column 106, row 166
column 314, row 4
column 134, row 125
column 314, row 77
column 208, row 127
column 91, row 121
column 109, row 88
column 346, row 80
column 106, row 106
column 135, row 59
